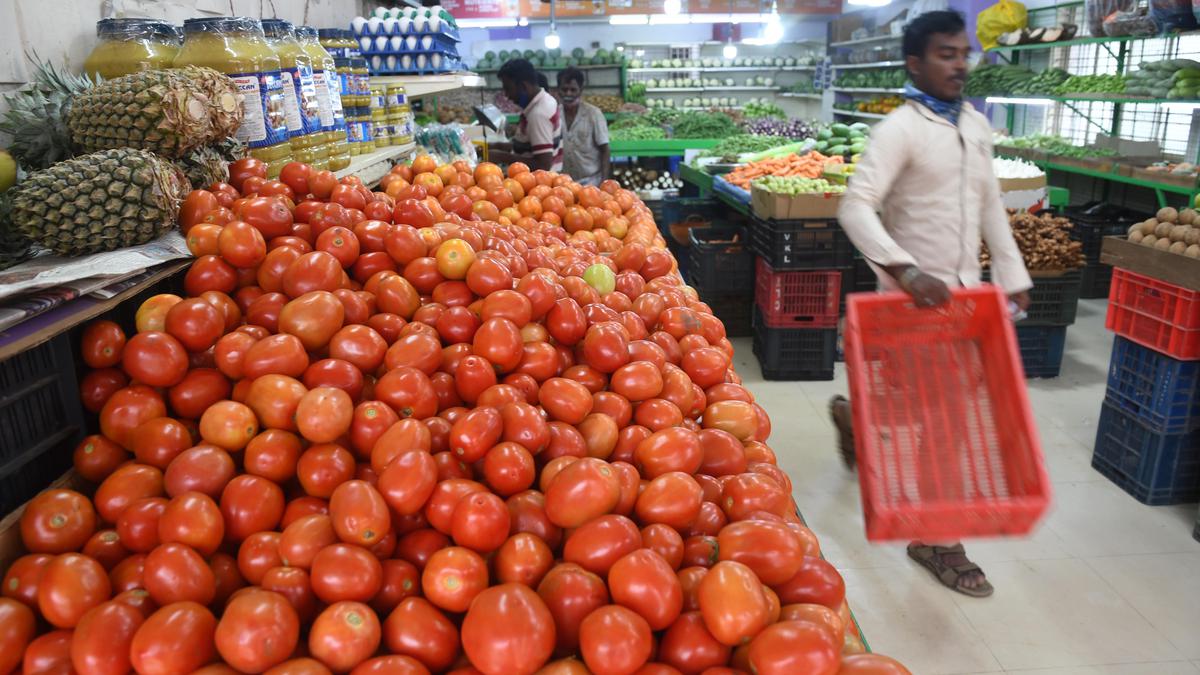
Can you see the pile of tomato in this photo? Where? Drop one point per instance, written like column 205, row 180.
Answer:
column 467, row 423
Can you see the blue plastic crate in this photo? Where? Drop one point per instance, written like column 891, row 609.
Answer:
column 1041, row 349
column 440, row 45
column 1154, row 468
column 1162, row 392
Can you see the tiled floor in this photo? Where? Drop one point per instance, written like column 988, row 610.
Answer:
column 1105, row 586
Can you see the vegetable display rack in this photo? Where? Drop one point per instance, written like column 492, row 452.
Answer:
column 1161, row 392
column 1154, row 468
column 801, row 244
column 946, row 441
column 1041, row 349
column 1155, row 314
column 794, row 353
column 798, row 299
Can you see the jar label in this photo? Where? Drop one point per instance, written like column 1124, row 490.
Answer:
column 291, row 107
column 324, row 102
column 354, row 133
column 264, row 121
column 306, row 97
column 346, row 83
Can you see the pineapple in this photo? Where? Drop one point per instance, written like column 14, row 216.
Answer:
column 209, row 164
column 99, row 202
column 169, row 112
column 36, row 118
column 14, row 248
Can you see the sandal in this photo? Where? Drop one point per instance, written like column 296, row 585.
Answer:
column 951, row 575
column 839, row 412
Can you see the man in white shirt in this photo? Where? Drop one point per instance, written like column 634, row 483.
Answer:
column 928, row 172
column 539, row 138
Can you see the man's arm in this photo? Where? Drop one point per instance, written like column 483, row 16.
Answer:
column 1008, row 266
column 601, row 140
column 605, row 162
column 542, row 160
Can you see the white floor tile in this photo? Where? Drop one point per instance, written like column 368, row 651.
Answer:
column 1098, row 519
column 1173, row 668
column 905, row 615
column 1058, row 613
column 1164, row 588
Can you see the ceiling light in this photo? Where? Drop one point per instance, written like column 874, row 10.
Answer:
column 773, row 31
column 522, row 21
column 729, row 51
column 551, row 40
column 672, row 7
column 628, row 20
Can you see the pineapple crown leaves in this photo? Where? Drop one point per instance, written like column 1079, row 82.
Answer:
column 36, row 116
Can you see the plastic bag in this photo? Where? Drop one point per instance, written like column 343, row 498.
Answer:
column 1173, row 15
column 1099, row 10
column 1003, row 17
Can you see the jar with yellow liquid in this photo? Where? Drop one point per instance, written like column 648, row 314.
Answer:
column 131, row 45
column 329, row 101
column 299, row 91
column 237, row 47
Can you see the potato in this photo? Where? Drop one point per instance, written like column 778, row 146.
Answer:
column 1136, row 227
column 1163, row 230
column 1149, row 240
column 1136, row 236
column 1162, row 244
column 1149, row 225
column 1178, row 247
column 1178, row 232
column 1167, row 215
column 1192, row 236
column 1193, row 251
column 1187, row 216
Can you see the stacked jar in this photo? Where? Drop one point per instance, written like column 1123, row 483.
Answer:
column 399, row 115
column 329, row 99
column 130, row 45
column 339, row 43
column 299, row 95
column 380, row 132
column 237, row 47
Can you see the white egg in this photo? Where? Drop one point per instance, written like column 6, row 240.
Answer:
column 376, row 62
column 420, row 24
column 393, row 12
column 391, row 63
column 404, row 25
column 421, row 61
column 435, row 23
column 409, row 12
column 374, row 25
column 395, row 43
column 406, row 62
column 381, row 44
column 364, row 43
column 411, row 42
column 358, row 23
column 436, row 61
column 426, row 42
column 380, row 12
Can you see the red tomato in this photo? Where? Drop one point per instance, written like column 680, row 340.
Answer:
column 587, row 488
column 176, row 573
column 688, row 646
column 344, row 635
column 18, row 626
column 344, row 572
column 771, row 550
column 613, row 639
column 508, row 629
column 258, row 629
column 69, row 586
column 732, row 603
column 175, row 639
column 57, row 521
column 816, row 581
column 418, row 629
column 599, row 543
column 644, row 582
column 453, row 577
column 794, row 647
column 359, row 513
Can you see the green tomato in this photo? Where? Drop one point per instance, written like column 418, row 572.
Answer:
column 601, row 278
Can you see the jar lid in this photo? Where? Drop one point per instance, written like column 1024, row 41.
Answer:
column 328, row 33
column 343, row 63
column 278, row 28
column 359, row 62
column 223, row 24
column 306, row 32
column 136, row 28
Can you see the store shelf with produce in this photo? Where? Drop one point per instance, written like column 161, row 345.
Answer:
column 791, row 94
column 424, row 85
column 666, row 147
column 719, row 69
column 548, row 69
column 1085, row 98
column 867, row 90
column 1089, row 40
column 670, row 90
column 374, row 165
column 873, row 64
column 1160, row 189
column 864, row 115
column 866, row 41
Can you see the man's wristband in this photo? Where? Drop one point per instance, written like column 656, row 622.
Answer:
column 909, row 275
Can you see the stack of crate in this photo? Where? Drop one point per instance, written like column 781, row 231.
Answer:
column 1093, row 222
column 1042, row 335
column 797, row 295
column 721, row 269
column 1148, row 438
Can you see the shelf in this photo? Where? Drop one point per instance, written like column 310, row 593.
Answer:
column 864, row 115
column 720, row 69
column 789, row 94
column 764, row 88
column 1159, row 188
column 424, row 85
column 1083, row 98
column 866, row 40
column 867, row 90
column 554, row 69
column 666, row 147
column 678, row 90
column 697, row 177
column 672, row 89
column 876, row 64
column 375, row 165
column 1087, row 41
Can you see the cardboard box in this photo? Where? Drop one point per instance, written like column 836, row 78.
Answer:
column 1028, row 194
column 774, row 206
column 1021, row 184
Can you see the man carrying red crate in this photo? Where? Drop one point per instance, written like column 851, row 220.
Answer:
column 921, row 200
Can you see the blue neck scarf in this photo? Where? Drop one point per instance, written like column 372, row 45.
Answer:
column 947, row 110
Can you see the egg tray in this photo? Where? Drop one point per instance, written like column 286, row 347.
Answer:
column 445, row 30
column 448, row 66
column 450, row 50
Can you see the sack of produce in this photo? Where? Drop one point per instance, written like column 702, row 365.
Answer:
column 1099, row 10
column 1172, row 15
column 1002, row 17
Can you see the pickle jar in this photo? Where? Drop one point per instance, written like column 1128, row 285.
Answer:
column 379, row 128
column 237, row 47
column 130, row 45
column 299, row 90
column 329, row 98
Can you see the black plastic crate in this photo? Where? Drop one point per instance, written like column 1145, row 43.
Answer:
column 1154, row 468
column 39, row 411
column 677, row 209
column 1041, row 349
column 794, row 353
column 719, row 266
column 1092, row 223
column 865, row 280
column 734, row 311
column 1095, row 280
column 801, row 244
column 1162, row 392
column 1054, row 301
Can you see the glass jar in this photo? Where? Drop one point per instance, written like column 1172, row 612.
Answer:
column 377, row 97
column 329, row 96
column 237, row 47
column 130, row 45
column 299, row 89
column 361, row 81
column 395, row 96
column 404, row 125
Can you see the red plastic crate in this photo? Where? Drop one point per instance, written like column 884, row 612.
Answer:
column 800, row 299
column 947, row 446
column 1154, row 314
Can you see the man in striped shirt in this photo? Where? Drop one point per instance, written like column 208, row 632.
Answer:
column 539, row 138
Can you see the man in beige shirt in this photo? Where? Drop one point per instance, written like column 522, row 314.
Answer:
column 922, row 199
